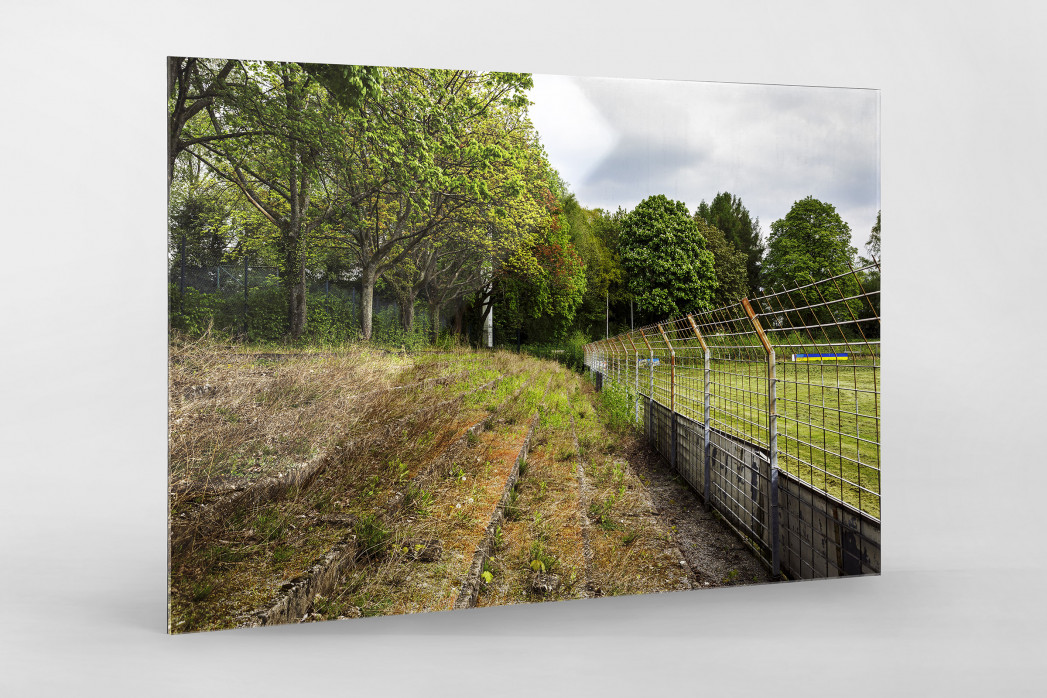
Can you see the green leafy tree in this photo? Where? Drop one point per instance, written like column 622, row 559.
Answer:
column 193, row 85
column 594, row 234
column 424, row 154
column 813, row 243
column 870, row 284
column 727, row 213
column 284, row 166
column 664, row 255
column 540, row 287
column 729, row 264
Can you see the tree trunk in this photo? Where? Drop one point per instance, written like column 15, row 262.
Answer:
column 294, row 284
column 367, row 302
column 459, row 318
column 407, row 313
column 434, row 312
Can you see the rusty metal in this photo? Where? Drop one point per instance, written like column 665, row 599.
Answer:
column 772, row 436
column 636, row 374
column 706, row 403
column 672, row 369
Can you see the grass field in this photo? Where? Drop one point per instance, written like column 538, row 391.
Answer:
column 828, row 416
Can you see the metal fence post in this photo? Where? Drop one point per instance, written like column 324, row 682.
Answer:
column 650, row 394
column 636, row 375
column 623, row 366
column 772, row 438
column 672, row 398
column 706, row 391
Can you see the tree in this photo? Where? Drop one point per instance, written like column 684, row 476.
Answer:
column 426, row 152
column 872, row 245
column 193, row 84
column 283, row 168
column 728, row 263
column 870, row 285
column 727, row 213
column 594, row 234
column 812, row 243
column 664, row 255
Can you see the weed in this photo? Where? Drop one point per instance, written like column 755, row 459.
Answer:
column 282, row 554
column 328, row 608
column 372, row 486
column 630, row 537
column 372, row 536
column 540, row 560
column 512, row 508
column 325, row 501
column 229, row 416
column 417, row 499
column 200, row 589
column 498, row 539
column 523, row 467
column 223, row 554
column 399, row 470
column 270, row 524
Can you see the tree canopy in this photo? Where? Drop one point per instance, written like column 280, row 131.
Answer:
column 727, row 213
column 664, row 254
column 810, row 243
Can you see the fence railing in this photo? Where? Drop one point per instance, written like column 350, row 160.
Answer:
column 770, row 409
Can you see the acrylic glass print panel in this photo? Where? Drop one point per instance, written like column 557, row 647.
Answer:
column 442, row 339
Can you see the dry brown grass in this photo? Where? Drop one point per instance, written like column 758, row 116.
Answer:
column 458, row 507
column 379, row 447
column 401, row 474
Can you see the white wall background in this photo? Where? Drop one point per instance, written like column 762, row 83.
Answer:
column 959, row 609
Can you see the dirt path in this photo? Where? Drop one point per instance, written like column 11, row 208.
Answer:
column 715, row 554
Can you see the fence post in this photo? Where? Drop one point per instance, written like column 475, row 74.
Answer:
column 772, row 438
column 672, row 397
column 650, row 393
column 622, row 364
column 636, row 375
column 706, row 390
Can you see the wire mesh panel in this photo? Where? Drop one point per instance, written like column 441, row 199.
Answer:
column 828, row 386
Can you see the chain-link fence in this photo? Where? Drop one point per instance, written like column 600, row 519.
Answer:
column 770, row 409
column 248, row 300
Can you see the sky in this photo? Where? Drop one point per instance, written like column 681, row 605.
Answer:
column 616, row 141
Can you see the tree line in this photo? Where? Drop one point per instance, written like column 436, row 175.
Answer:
column 433, row 188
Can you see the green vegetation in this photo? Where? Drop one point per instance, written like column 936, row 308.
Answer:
column 321, row 204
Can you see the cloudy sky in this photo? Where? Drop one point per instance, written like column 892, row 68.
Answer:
column 617, row 141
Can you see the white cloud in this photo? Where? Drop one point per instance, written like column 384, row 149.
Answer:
column 617, row 141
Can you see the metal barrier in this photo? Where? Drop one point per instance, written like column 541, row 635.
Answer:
column 770, row 409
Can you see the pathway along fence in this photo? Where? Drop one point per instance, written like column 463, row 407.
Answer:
column 770, row 409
